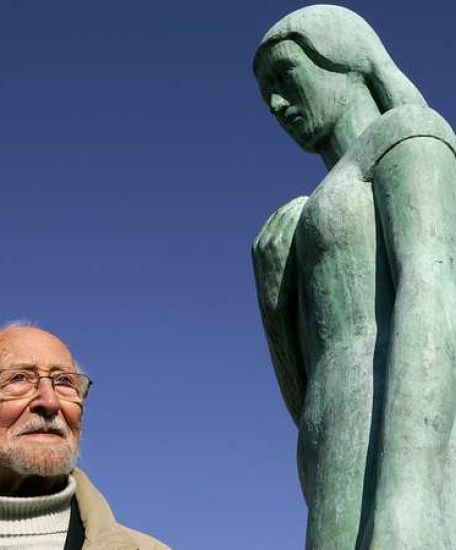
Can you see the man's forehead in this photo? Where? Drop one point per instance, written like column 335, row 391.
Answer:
column 32, row 345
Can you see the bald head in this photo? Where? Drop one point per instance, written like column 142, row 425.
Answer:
column 35, row 346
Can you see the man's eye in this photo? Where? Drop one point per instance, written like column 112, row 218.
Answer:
column 63, row 380
column 18, row 377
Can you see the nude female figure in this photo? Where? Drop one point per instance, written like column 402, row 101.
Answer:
column 356, row 286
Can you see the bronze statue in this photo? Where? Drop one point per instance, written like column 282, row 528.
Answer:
column 357, row 288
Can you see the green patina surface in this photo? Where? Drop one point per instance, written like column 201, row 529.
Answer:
column 357, row 288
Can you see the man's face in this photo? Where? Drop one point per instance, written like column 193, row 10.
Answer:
column 39, row 436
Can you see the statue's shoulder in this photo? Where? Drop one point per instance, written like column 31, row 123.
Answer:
column 395, row 126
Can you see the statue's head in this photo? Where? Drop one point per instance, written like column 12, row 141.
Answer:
column 308, row 63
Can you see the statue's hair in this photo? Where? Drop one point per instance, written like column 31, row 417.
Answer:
column 339, row 40
column 20, row 323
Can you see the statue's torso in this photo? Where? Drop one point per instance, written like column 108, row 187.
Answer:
column 342, row 262
column 345, row 294
column 346, row 297
column 344, row 281
column 345, row 303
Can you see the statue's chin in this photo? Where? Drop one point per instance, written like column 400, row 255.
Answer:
column 309, row 139
column 306, row 141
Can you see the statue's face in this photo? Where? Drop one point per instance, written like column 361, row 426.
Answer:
column 306, row 99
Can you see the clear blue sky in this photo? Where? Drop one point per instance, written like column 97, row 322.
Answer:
column 136, row 165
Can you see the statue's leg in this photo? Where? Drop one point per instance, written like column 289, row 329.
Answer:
column 418, row 418
column 449, row 493
column 333, row 447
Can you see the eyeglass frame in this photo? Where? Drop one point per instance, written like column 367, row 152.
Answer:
column 51, row 377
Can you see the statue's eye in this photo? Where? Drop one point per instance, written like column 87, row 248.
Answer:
column 285, row 76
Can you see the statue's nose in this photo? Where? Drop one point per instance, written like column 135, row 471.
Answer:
column 277, row 103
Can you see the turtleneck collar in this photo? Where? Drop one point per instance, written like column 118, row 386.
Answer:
column 37, row 515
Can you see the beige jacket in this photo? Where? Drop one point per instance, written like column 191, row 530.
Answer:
column 102, row 532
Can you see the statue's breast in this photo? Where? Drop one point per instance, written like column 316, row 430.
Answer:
column 339, row 256
column 338, row 218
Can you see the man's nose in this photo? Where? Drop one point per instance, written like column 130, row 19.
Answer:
column 45, row 401
column 277, row 103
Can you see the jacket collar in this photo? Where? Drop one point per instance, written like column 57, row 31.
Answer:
column 102, row 532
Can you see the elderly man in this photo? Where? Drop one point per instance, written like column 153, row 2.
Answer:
column 45, row 502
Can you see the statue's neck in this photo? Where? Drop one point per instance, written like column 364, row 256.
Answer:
column 360, row 112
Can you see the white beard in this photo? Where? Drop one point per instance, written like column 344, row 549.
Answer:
column 37, row 459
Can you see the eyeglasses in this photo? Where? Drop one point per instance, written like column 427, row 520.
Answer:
column 69, row 386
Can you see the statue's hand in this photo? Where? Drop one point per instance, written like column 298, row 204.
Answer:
column 271, row 251
column 275, row 273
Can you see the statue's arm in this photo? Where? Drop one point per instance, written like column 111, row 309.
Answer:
column 414, row 188
column 276, row 280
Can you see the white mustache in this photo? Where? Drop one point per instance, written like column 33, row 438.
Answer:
column 57, row 425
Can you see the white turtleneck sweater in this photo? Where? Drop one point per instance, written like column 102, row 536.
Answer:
column 36, row 523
